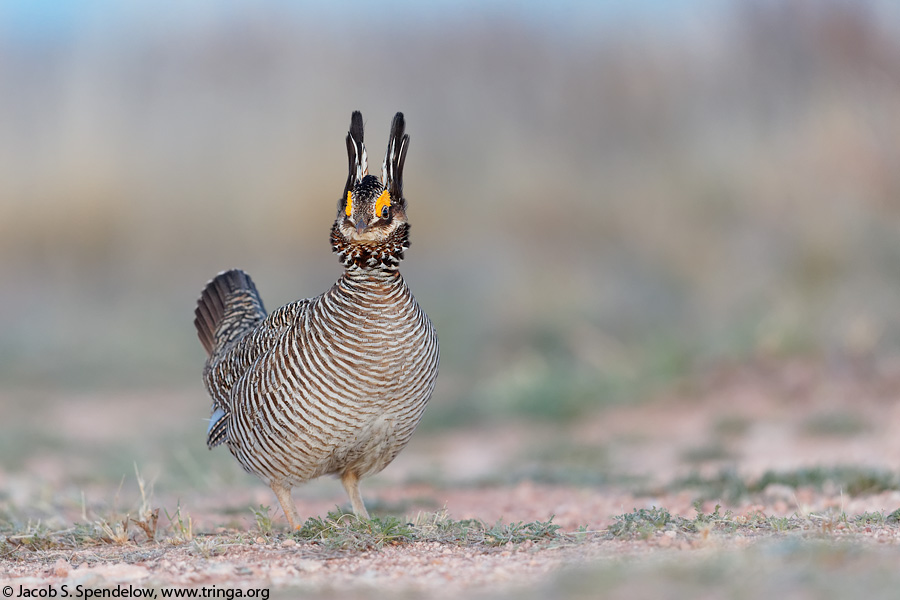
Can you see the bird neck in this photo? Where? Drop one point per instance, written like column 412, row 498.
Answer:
column 369, row 287
column 364, row 277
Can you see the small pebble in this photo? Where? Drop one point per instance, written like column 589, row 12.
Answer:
column 61, row 568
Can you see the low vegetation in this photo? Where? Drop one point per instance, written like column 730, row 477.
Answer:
column 730, row 486
column 336, row 532
column 645, row 523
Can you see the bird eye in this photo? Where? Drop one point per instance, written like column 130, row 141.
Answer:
column 383, row 205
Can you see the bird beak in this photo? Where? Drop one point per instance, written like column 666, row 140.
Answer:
column 360, row 226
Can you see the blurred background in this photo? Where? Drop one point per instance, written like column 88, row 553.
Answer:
column 605, row 197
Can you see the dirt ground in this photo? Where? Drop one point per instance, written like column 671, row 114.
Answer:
column 670, row 452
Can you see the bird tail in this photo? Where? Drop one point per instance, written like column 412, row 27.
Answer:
column 227, row 309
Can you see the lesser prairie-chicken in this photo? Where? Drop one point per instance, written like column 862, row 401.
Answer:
column 334, row 384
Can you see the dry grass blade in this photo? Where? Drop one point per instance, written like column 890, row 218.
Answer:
column 149, row 524
column 114, row 533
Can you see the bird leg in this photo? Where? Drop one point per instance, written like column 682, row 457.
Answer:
column 351, row 484
column 283, row 493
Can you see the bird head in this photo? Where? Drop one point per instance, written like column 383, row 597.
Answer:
column 371, row 230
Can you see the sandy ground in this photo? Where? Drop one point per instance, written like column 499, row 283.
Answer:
column 743, row 420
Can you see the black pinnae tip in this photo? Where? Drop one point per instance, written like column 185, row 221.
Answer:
column 356, row 126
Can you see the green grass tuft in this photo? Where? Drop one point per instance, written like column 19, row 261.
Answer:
column 341, row 531
column 644, row 522
column 263, row 519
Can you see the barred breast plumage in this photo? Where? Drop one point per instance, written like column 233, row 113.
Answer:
column 334, row 384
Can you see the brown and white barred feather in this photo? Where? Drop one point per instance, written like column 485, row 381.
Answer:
column 342, row 385
column 233, row 327
column 334, row 384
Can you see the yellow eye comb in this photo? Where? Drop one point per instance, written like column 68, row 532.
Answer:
column 383, row 200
